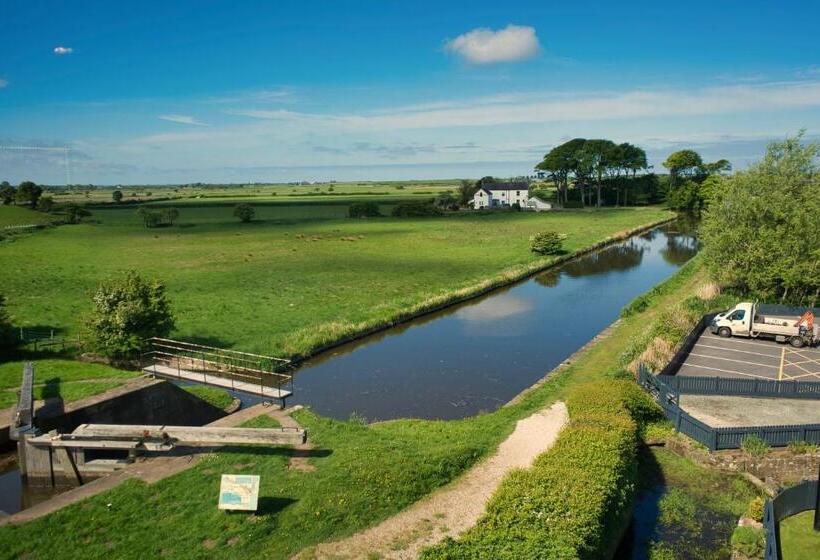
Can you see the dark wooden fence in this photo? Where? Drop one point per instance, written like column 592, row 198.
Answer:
column 715, row 439
column 691, row 385
column 791, row 501
column 686, row 346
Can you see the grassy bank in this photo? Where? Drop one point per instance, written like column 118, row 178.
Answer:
column 798, row 539
column 364, row 473
column 59, row 378
column 287, row 288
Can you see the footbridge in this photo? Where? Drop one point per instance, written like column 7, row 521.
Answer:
column 256, row 374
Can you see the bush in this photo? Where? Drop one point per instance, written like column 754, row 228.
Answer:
column 364, row 210
column 755, row 509
column 45, row 204
column 416, row 210
column 127, row 311
column 577, row 497
column 547, row 242
column 749, row 541
column 75, row 214
column 802, row 447
column 754, row 446
column 116, row 196
column 244, row 212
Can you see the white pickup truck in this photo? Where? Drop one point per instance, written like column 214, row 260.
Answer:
column 745, row 320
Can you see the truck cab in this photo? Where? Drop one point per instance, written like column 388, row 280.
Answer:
column 736, row 321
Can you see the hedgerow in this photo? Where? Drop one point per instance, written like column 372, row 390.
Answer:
column 575, row 500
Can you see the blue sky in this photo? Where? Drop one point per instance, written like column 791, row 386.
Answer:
column 239, row 91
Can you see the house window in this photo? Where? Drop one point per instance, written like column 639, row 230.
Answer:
column 517, row 193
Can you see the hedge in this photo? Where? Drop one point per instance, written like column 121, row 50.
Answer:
column 576, row 499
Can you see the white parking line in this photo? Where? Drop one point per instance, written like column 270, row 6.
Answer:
column 744, row 374
column 699, row 345
column 731, row 360
column 752, row 342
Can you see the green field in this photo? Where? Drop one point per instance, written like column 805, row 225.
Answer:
column 298, row 277
column 17, row 216
column 798, row 539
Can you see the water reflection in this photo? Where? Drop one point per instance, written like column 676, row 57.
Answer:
column 480, row 354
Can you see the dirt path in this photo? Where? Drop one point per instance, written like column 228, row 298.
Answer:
column 456, row 507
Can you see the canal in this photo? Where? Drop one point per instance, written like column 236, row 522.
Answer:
column 478, row 355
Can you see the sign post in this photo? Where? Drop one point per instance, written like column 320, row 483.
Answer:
column 239, row 492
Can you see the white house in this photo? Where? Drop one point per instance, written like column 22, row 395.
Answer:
column 535, row 203
column 497, row 195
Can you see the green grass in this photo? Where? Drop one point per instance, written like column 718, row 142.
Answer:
column 66, row 379
column 364, row 473
column 212, row 395
column 285, row 288
column 798, row 539
column 11, row 216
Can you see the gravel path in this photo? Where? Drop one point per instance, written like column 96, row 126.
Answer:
column 456, row 507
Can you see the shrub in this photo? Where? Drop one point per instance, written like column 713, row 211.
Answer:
column 577, row 497
column 75, row 214
column 364, row 210
column 244, row 212
column 749, row 541
column 547, row 242
column 416, row 210
column 802, row 447
column 755, row 509
column 45, row 204
column 116, row 196
column 127, row 311
column 754, row 446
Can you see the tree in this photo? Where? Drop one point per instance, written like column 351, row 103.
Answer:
column 560, row 163
column 466, row 192
column 169, row 215
column 75, row 214
column 683, row 163
column 7, row 193
column 364, row 210
column 446, row 201
column 127, row 311
column 244, row 212
column 45, row 204
column 760, row 233
column 547, row 242
column 117, row 196
column 718, row 167
column 8, row 339
column 598, row 156
column 28, row 193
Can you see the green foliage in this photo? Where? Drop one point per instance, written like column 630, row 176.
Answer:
column 74, row 214
column 364, row 210
column 8, row 338
column 547, row 242
column 45, row 204
column 761, row 233
column 416, row 210
column 28, row 193
column 803, row 447
column 244, row 212
column 677, row 508
column 749, row 541
column 218, row 398
column 127, row 311
column 754, row 446
column 446, row 201
column 576, row 499
column 164, row 217
column 466, row 191
column 684, row 163
column 573, row 204
column 7, row 193
column 116, row 196
column 755, row 509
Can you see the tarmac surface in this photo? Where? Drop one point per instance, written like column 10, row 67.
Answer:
column 723, row 411
column 714, row 356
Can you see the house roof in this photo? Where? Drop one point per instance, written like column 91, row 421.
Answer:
column 505, row 187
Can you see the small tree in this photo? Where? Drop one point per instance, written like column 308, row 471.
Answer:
column 45, row 204
column 466, row 191
column 116, row 196
column 75, row 214
column 127, row 311
column 364, row 210
column 8, row 339
column 547, row 242
column 169, row 215
column 28, row 193
column 7, row 193
column 244, row 212
column 446, row 201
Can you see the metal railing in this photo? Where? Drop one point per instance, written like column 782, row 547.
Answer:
column 791, row 501
column 733, row 386
column 719, row 438
column 232, row 365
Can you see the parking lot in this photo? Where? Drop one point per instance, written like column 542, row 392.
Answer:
column 714, row 356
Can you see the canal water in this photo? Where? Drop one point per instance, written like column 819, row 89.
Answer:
column 476, row 356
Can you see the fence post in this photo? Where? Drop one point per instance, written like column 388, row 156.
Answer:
column 714, row 442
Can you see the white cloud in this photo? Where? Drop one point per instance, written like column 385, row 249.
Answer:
column 3, row 83
column 182, row 119
column 529, row 108
column 63, row 50
column 485, row 46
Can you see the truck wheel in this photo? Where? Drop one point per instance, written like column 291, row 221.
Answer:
column 725, row 332
column 796, row 341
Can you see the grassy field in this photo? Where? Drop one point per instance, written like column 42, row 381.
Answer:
column 798, row 539
column 66, row 379
column 15, row 216
column 364, row 473
column 211, row 395
column 293, row 280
